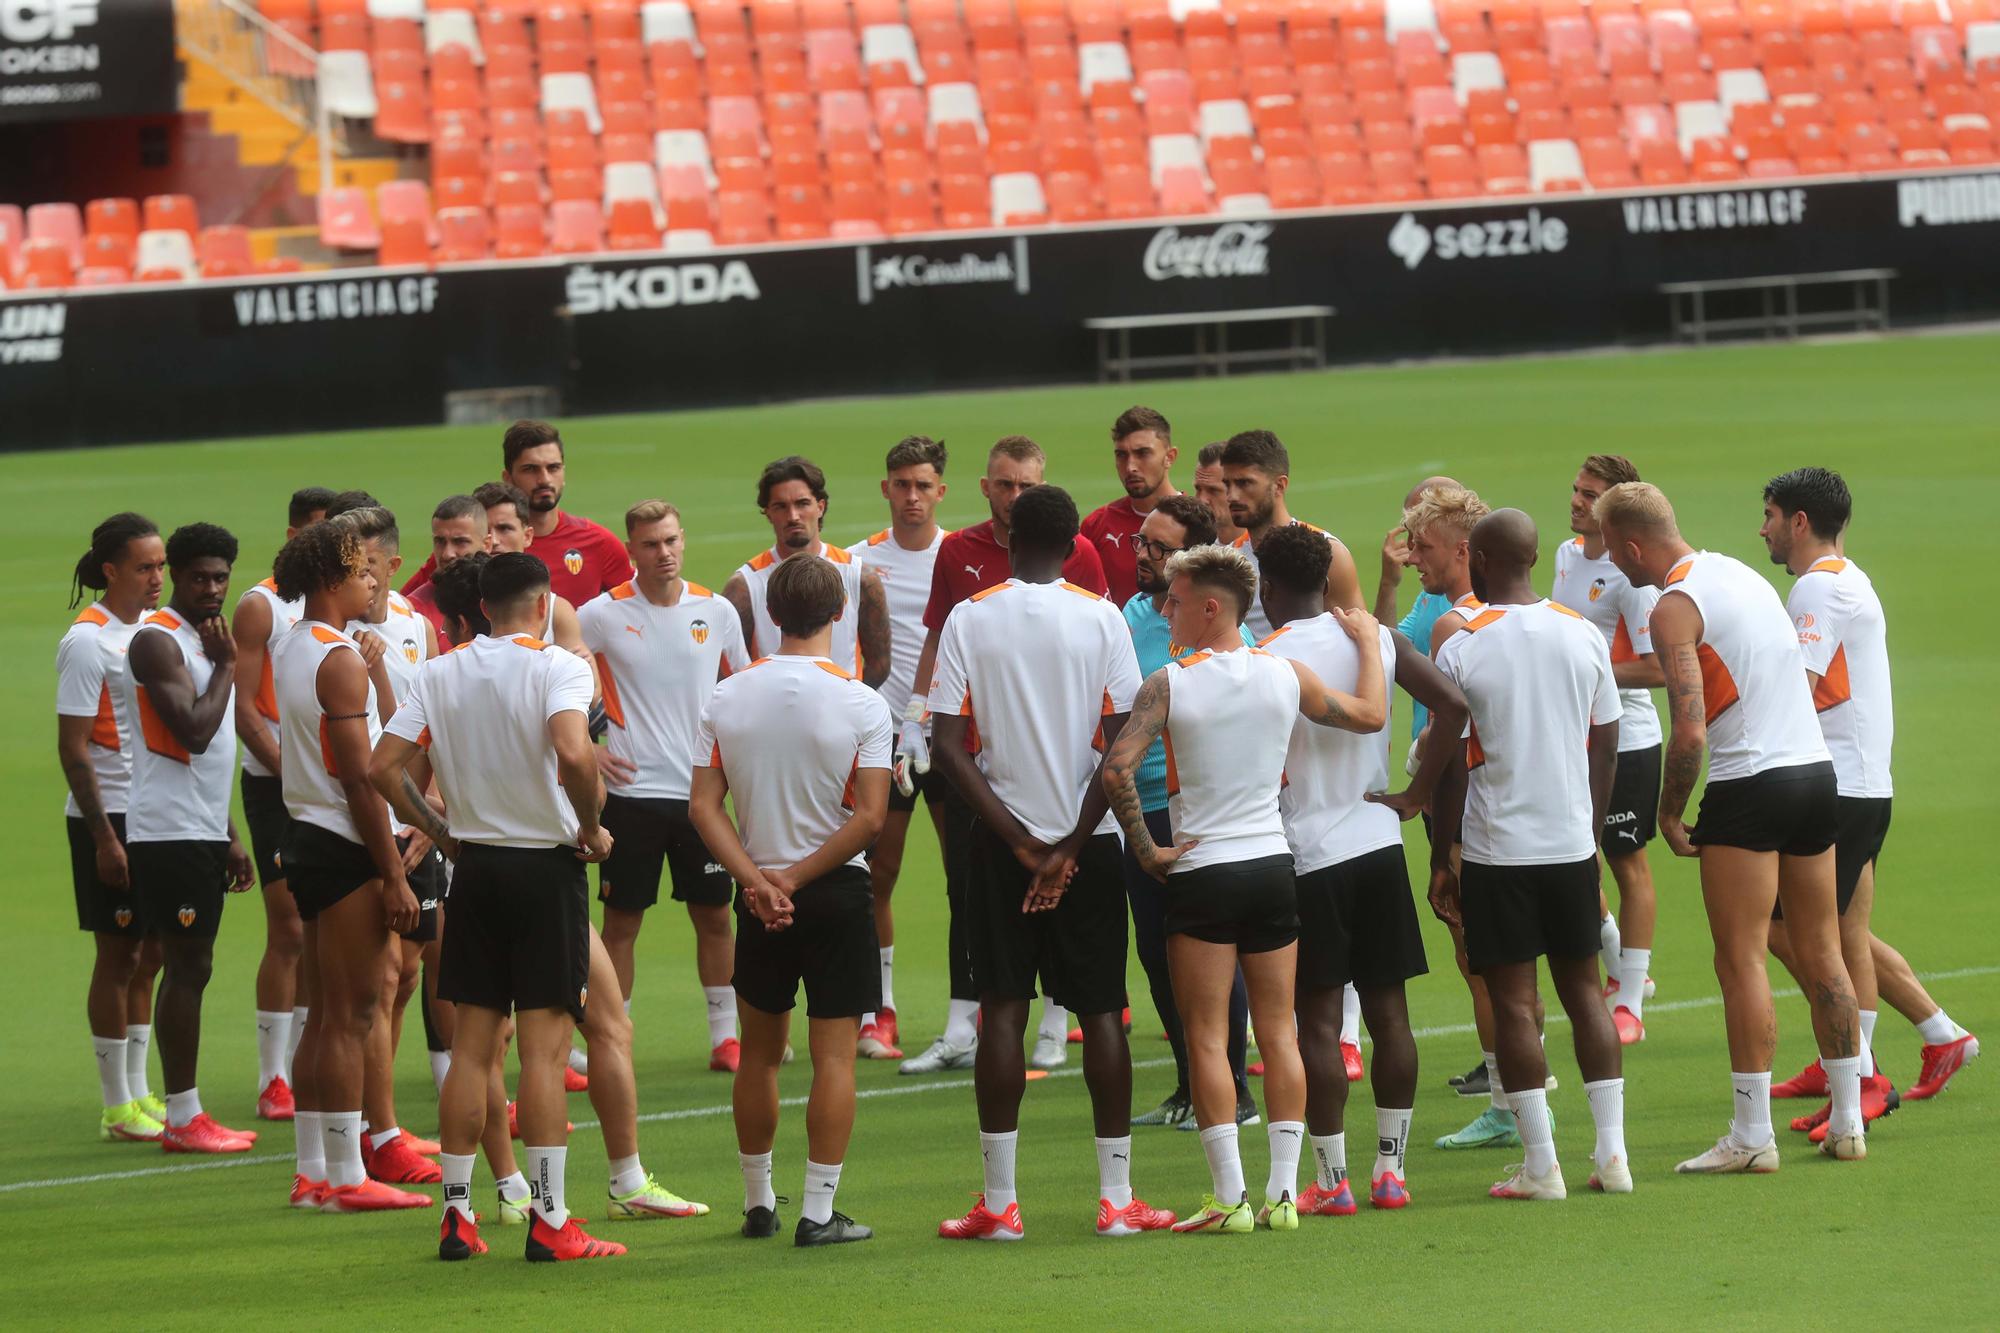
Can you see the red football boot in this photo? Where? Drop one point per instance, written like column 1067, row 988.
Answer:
column 547, row 1245
column 203, row 1135
column 979, row 1224
column 1350, row 1055
column 1940, row 1063
column 275, row 1101
column 397, row 1163
column 1808, row 1082
column 1318, row 1201
column 726, row 1056
column 458, row 1236
column 372, row 1196
column 1133, row 1218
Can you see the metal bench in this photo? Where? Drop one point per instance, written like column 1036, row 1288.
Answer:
column 1779, row 314
column 1306, row 346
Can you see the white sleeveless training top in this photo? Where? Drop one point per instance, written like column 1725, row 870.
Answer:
column 178, row 796
column 1229, row 727
column 313, row 793
column 846, row 650
column 284, row 615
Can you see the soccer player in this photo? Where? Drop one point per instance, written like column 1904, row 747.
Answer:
column 1257, row 468
column 1177, row 523
column 458, row 529
column 902, row 556
column 1357, row 922
column 583, row 558
column 1142, row 450
column 182, row 849
column 803, row 750
column 791, row 492
column 127, row 563
column 1736, row 686
column 1540, row 753
column 340, row 852
column 1843, row 636
column 661, row 644
column 1589, row 584
column 1048, row 671
column 1226, row 713
column 509, row 530
column 261, row 619
column 971, row 560
column 1213, row 491
column 504, row 726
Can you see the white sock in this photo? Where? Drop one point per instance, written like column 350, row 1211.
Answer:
column 821, row 1182
column 514, row 1188
column 1350, row 1015
column 340, row 1131
column 381, row 1136
column 1055, row 1021
column 757, row 1191
column 1538, row 1139
column 1225, row 1164
column 997, row 1153
column 1392, row 1140
column 626, row 1174
column 1330, row 1157
column 1114, row 1171
column 440, row 1066
column 274, row 1039
column 111, row 1069
column 292, row 1035
column 1607, row 947
column 889, row 977
column 961, row 1022
column 1843, row 1084
column 1286, row 1138
column 138, row 1041
column 1633, row 965
column 1868, row 1017
column 1939, row 1030
column 458, row 1181
column 1607, row 1108
column 579, row 1060
column 545, row 1169
column 721, row 1013
column 1495, row 1093
column 311, row 1147
column 183, row 1106
column 1751, row 1125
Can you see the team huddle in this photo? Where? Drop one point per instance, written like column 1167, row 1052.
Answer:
column 1164, row 724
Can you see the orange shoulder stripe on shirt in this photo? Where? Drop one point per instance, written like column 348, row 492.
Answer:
column 837, row 554
column 1282, row 629
column 272, row 584
column 763, row 560
column 1242, row 539
column 93, row 615
column 1678, row 572
column 1832, row 564
column 1081, row 592
column 325, row 635
column 879, row 538
column 831, row 669
column 1192, row 658
column 984, row 593
column 622, row 591
column 1833, row 688
column 696, row 590
column 164, row 619
column 1485, row 618
column 528, row 641
column 1558, row 606
column 398, row 602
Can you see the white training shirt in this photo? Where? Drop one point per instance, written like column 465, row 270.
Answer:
column 1229, row 730
column 906, row 587
column 1038, row 666
column 659, row 666
column 313, row 793
column 789, row 733
column 482, row 710
column 1328, row 770
column 1595, row 590
column 90, row 664
column 1844, row 638
column 1760, row 708
column 284, row 615
column 402, row 629
column 178, row 796
column 846, row 649
column 1260, row 625
column 1537, row 679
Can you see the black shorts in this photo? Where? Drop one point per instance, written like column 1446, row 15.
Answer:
column 1253, row 905
column 1792, row 811
column 180, row 886
column 1077, row 948
column 322, row 867
column 1358, row 923
column 1634, row 814
column 830, row 946
column 264, row 811
column 427, row 883
column 921, row 784
column 1864, row 826
column 647, row 835
column 100, row 908
column 520, row 930
column 1516, row 914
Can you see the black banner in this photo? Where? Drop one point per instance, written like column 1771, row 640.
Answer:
column 384, row 347
column 70, row 59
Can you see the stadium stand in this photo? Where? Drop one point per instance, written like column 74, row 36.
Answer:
column 545, row 126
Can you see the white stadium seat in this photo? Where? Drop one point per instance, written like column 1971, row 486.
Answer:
column 1473, row 70
column 1102, row 62
column 572, row 92
column 1018, row 194
column 951, row 102
column 1175, row 150
column 667, row 21
column 409, row 11
column 634, row 180
column 453, row 27
column 891, row 44
column 165, row 252
column 1225, row 120
column 1738, row 87
column 1178, row 10
column 684, row 148
column 1982, row 42
column 1403, row 16
column 1553, row 160
column 347, row 84
column 1698, row 120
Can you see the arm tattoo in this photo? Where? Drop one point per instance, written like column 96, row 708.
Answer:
column 427, row 818
column 1326, row 711
column 873, row 631
column 1681, row 666
column 1121, row 766
column 83, row 786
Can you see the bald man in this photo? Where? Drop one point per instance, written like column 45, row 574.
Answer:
column 1540, row 752
column 1737, row 687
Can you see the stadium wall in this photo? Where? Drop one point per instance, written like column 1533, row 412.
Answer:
column 380, row 347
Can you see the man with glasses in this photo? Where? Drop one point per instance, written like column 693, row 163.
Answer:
column 1176, row 523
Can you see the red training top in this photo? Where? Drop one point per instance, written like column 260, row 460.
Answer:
column 584, row 559
column 969, row 561
column 1109, row 529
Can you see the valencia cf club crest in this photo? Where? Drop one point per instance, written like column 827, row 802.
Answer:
column 186, row 915
column 123, row 916
column 410, row 653
column 583, row 998
column 1596, row 589
column 573, row 560
column 698, row 631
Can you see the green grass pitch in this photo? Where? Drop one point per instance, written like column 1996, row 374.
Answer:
column 103, row 1232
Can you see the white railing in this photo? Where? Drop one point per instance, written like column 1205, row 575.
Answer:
column 267, row 63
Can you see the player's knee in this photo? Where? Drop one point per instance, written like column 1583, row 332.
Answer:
column 189, row 967
column 284, row 938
